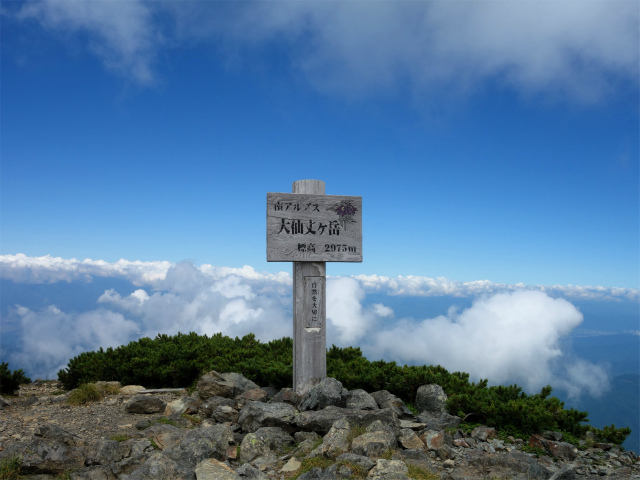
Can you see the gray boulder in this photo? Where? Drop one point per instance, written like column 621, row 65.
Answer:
column 262, row 442
column 256, row 415
column 408, row 439
column 250, row 472
column 159, row 466
column 54, row 432
column 509, row 465
column 145, row 404
column 228, row 385
column 137, row 446
column 389, row 470
column 189, row 405
column 329, row 392
column 286, row 395
column 321, row 421
column 212, row 441
column 211, row 469
column 434, row 439
column 163, row 435
column 46, row 456
column 385, row 399
column 378, row 439
column 130, row 464
column 318, row 473
column 212, row 403
column 104, row 452
column 255, row 395
column 431, row 398
column 359, row 460
column 100, row 472
column 361, row 400
column 336, row 441
column 483, row 433
column 224, row 414
column 438, row 421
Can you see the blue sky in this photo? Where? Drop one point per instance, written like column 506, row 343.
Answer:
column 495, row 145
column 489, row 140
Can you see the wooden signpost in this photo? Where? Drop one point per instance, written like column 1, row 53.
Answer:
column 309, row 228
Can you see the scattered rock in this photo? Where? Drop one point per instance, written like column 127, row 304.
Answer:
column 389, row 470
column 256, row 415
column 188, row 405
column 336, row 441
column 438, row 421
column 483, row 433
column 384, row 399
column 212, row 469
column 243, row 437
column 145, row 404
column 286, row 395
column 329, row 392
column 212, row 403
column 409, row 440
column 131, row 390
column 431, row 399
column 321, row 421
column 228, row 385
column 265, row 441
column 361, row 400
column 292, row 465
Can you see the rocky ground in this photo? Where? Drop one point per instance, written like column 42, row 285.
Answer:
column 229, row 428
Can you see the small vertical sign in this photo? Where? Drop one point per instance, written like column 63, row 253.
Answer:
column 314, row 314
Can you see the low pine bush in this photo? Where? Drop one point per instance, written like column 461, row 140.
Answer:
column 11, row 381
column 178, row 361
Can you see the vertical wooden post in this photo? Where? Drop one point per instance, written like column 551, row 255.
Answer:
column 309, row 337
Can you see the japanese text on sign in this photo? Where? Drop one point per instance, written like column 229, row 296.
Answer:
column 303, row 227
column 313, row 304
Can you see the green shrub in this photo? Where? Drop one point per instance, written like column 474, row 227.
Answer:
column 611, row 434
column 11, row 381
column 179, row 360
column 537, row 451
column 84, row 394
column 10, row 468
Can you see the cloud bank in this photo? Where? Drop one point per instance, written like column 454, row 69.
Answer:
column 509, row 334
column 579, row 49
column 21, row 268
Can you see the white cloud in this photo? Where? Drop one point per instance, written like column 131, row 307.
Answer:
column 505, row 337
column 48, row 269
column 348, row 321
column 122, row 34
column 511, row 333
column 190, row 300
column 186, row 300
column 52, row 337
column 582, row 376
column 578, row 49
column 412, row 285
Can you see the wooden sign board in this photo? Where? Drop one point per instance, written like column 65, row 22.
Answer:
column 313, row 228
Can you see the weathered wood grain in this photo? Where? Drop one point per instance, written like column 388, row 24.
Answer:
column 311, row 227
column 309, row 343
column 309, row 338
